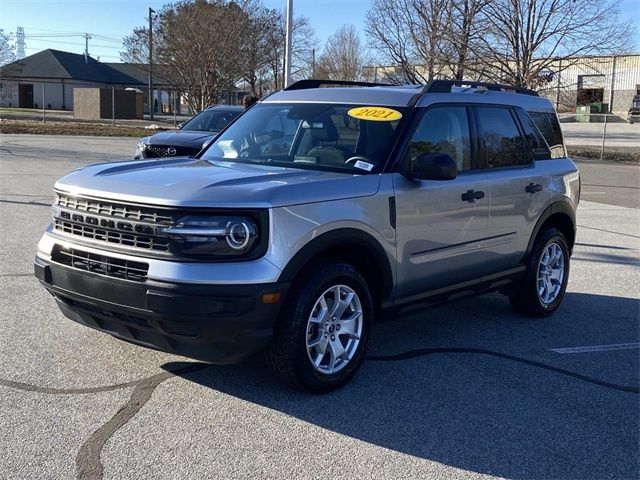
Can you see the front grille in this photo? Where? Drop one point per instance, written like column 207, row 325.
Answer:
column 128, row 240
column 160, row 151
column 110, row 209
column 100, row 264
column 113, row 223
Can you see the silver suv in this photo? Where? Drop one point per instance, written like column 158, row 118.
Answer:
column 312, row 214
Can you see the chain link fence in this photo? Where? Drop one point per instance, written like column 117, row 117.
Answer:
column 602, row 136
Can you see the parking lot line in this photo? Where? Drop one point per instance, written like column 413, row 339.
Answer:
column 597, row 348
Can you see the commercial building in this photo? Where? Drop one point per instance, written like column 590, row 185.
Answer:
column 609, row 80
column 49, row 77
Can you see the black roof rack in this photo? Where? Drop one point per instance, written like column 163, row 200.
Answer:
column 313, row 83
column 444, row 86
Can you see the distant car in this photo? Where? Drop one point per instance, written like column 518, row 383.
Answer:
column 191, row 137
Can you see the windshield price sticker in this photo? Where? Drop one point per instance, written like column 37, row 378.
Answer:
column 376, row 114
column 363, row 165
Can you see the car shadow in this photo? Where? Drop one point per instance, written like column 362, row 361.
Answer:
column 478, row 412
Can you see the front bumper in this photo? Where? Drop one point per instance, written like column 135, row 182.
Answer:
column 217, row 323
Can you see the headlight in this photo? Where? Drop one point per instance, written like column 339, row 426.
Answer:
column 142, row 145
column 214, row 235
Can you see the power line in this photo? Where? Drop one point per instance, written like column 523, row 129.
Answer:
column 61, row 42
column 52, row 31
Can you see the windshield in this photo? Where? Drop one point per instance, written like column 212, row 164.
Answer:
column 211, row 120
column 636, row 104
column 311, row 135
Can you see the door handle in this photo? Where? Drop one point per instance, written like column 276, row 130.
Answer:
column 533, row 188
column 471, row 196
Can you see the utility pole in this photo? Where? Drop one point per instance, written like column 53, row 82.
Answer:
column 151, row 107
column 20, row 45
column 87, row 37
column 289, row 32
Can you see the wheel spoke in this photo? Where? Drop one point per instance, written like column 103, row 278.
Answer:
column 322, row 314
column 332, row 359
column 320, row 344
column 337, row 349
column 348, row 326
column 550, row 291
column 341, row 305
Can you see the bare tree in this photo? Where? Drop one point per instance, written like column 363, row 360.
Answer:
column 7, row 54
column 202, row 47
column 411, row 35
column 343, row 57
column 304, row 46
column 136, row 45
column 465, row 28
column 528, row 38
column 257, row 45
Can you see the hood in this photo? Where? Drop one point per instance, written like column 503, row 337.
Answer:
column 189, row 182
column 180, row 138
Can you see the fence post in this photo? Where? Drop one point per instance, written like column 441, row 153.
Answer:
column 113, row 105
column 604, row 136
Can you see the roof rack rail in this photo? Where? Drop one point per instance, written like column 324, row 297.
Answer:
column 313, row 83
column 444, row 86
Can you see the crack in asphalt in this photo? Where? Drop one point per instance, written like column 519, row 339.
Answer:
column 89, row 465
column 16, row 275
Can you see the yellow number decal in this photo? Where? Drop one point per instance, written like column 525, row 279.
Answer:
column 376, row 114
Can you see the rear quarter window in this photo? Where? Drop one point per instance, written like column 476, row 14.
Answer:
column 549, row 127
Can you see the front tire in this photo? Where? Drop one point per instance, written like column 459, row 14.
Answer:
column 542, row 289
column 321, row 336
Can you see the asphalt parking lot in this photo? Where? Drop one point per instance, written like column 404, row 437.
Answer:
column 470, row 390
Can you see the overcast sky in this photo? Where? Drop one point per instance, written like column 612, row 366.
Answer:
column 59, row 24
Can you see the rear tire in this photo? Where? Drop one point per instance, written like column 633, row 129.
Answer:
column 542, row 289
column 319, row 345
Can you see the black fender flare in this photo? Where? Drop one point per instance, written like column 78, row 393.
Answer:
column 563, row 207
column 334, row 238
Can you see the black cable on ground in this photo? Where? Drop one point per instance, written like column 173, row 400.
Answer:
column 479, row 351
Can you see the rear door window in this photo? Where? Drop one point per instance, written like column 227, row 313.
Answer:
column 549, row 126
column 503, row 142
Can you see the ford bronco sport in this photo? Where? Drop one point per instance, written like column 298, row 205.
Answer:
column 310, row 215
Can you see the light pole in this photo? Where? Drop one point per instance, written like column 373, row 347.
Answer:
column 151, row 12
column 288, row 32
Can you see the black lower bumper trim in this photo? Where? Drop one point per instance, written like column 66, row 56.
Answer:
column 216, row 323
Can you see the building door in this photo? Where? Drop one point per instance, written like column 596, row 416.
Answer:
column 25, row 95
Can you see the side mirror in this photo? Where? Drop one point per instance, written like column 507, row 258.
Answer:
column 433, row 166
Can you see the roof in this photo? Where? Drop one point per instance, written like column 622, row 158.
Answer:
column 56, row 64
column 138, row 72
column 231, row 108
column 402, row 96
column 383, row 96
